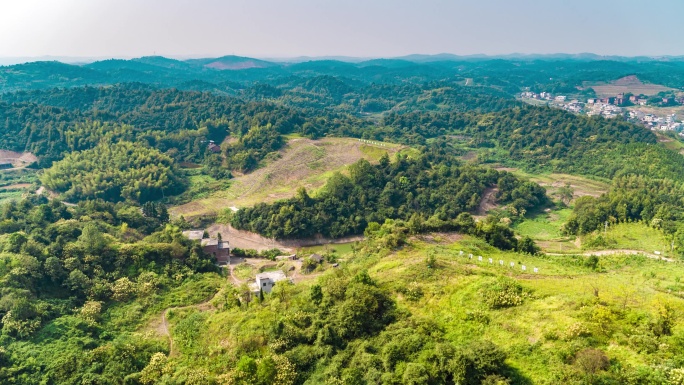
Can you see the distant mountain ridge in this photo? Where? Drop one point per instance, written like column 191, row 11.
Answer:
column 229, row 74
column 234, row 62
column 231, row 62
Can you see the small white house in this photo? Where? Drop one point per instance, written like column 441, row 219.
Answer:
column 266, row 281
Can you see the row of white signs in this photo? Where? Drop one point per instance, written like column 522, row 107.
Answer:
column 501, row 262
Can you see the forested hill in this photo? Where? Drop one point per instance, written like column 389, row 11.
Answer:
column 167, row 119
column 54, row 123
column 229, row 74
column 432, row 191
column 393, row 101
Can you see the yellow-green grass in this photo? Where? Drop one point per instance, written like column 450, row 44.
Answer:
column 545, row 228
column 632, row 236
column 340, row 249
column 565, row 294
column 8, row 195
column 244, row 271
column 545, row 225
column 562, row 295
column 136, row 314
column 302, row 163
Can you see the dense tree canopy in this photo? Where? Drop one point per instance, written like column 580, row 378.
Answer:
column 426, row 187
column 121, row 171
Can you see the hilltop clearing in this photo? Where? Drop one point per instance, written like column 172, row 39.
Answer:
column 301, row 163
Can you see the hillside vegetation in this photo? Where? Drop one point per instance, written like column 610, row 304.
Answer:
column 488, row 242
column 122, row 171
column 300, row 163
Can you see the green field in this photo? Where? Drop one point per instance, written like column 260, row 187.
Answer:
column 633, row 236
column 544, row 226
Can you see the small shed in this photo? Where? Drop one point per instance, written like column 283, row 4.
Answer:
column 290, row 257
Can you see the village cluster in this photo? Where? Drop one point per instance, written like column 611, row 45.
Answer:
column 612, row 107
column 264, row 281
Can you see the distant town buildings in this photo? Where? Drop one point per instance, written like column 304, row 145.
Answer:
column 611, row 107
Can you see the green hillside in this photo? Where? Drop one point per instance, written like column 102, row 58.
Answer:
column 460, row 236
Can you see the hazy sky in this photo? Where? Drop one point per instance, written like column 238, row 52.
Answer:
column 366, row 28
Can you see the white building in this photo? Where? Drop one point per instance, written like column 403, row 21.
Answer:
column 266, row 281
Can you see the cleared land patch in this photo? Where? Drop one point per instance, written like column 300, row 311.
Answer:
column 581, row 186
column 628, row 84
column 301, row 163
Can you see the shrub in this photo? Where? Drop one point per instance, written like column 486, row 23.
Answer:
column 590, row 361
column 504, row 292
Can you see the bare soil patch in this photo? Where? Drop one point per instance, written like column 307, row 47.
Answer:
column 488, row 201
column 444, row 238
column 16, row 186
column 301, row 163
column 628, row 84
column 247, row 240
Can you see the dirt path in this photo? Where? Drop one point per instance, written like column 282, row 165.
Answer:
column 233, row 278
column 488, row 202
column 600, row 253
column 163, row 327
column 248, row 240
column 52, row 195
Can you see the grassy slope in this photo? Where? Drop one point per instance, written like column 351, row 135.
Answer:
column 545, row 227
column 535, row 335
column 302, row 163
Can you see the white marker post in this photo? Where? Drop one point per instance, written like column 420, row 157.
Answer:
column 479, row 258
column 501, row 262
column 512, row 264
column 536, row 270
column 524, row 268
column 460, row 252
column 470, row 256
column 491, row 260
